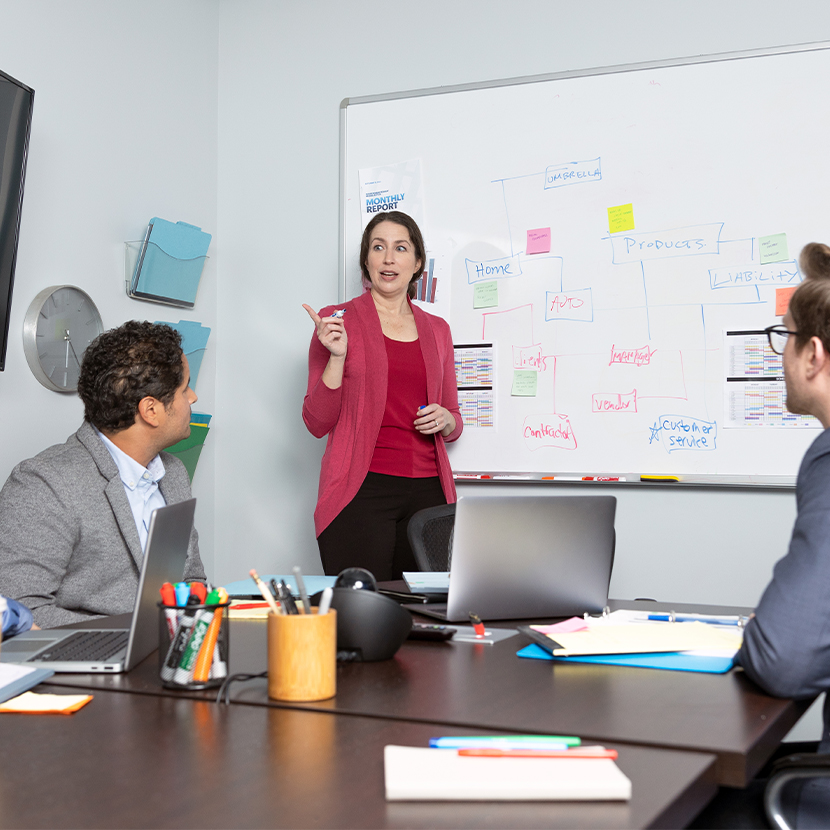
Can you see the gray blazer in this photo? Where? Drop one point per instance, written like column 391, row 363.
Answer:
column 69, row 547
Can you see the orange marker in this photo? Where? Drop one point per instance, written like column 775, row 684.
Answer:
column 201, row 671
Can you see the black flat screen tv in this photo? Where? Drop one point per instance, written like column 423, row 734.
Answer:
column 16, row 100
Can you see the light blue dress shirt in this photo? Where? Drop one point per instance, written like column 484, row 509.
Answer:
column 141, row 484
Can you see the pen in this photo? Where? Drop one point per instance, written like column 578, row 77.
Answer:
column 692, row 618
column 557, row 742
column 340, row 312
column 266, row 594
column 469, row 475
column 603, row 478
column 325, row 601
column 298, row 575
column 478, row 625
column 659, row 478
column 576, row 752
column 286, row 600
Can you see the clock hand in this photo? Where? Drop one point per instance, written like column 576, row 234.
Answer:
column 69, row 344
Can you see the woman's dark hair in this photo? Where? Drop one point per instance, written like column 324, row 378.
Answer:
column 815, row 261
column 414, row 236
column 810, row 311
column 124, row 365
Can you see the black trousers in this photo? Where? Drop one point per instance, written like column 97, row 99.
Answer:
column 370, row 531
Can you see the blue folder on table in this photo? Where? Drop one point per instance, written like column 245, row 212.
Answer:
column 170, row 263
column 673, row 661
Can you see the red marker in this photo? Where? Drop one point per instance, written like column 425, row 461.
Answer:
column 478, row 625
column 168, row 597
column 198, row 590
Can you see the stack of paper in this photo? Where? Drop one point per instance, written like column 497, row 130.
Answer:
column 418, row 774
column 628, row 638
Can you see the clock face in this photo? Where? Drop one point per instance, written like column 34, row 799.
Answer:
column 59, row 325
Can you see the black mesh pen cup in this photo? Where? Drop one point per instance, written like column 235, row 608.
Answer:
column 193, row 645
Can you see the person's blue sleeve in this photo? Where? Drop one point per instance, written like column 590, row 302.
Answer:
column 17, row 618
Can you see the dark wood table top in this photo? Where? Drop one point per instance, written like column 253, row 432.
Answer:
column 477, row 686
column 131, row 760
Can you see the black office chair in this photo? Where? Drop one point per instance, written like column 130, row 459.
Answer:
column 430, row 536
column 791, row 768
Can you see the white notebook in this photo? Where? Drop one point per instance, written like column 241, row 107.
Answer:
column 419, row 774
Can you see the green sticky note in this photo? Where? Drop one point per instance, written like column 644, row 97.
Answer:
column 621, row 218
column 524, row 383
column 485, row 294
column 773, row 248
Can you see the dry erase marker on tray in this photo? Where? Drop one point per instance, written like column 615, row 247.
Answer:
column 603, row 478
column 577, row 752
column 659, row 478
column 469, row 475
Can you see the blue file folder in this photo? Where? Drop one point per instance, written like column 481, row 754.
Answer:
column 170, row 263
column 674, row 661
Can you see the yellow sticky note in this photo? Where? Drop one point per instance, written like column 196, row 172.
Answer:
column 621, row 218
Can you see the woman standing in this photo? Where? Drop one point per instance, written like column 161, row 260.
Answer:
column 382, row 386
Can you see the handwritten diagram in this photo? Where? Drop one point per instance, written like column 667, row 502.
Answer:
column 603, row 234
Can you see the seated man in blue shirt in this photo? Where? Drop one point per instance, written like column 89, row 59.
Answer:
column 786, row 648
column 74, row 519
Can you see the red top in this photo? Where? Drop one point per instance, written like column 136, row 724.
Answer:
column 400, row 449
column 351, row 416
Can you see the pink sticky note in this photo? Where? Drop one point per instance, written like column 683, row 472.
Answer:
column 782, row 300
column 538, row 241
column 564, row 627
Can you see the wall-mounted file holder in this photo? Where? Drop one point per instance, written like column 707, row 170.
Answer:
column 166, row 266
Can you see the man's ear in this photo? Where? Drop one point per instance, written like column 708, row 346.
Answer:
column 149, row 410
column 817, row 358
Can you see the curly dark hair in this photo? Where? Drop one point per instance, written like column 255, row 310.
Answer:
column 398, row 218
column 124, row 365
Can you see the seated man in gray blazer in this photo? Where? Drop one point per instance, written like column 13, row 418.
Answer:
column 74, row 519
column 786, row 648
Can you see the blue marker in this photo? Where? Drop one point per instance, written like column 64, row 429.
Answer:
column 182, row 593
column 339, row 313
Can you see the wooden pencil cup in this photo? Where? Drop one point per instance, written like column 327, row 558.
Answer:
column 302, row 656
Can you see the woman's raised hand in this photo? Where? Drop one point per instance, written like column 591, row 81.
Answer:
column 331, row 332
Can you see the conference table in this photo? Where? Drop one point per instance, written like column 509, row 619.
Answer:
column 679, row 734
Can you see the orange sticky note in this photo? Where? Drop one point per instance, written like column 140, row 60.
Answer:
column 782, row 300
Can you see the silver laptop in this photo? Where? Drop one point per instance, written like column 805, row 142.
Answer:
column 65, row 650
column 521, row 557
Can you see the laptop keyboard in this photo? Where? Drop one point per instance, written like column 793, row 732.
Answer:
column 85, row 646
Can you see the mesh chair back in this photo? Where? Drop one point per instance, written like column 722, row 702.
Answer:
column 430, row 536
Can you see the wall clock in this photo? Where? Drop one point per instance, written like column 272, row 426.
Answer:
column 60, row 323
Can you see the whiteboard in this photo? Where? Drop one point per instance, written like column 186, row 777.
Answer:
column 625, row 330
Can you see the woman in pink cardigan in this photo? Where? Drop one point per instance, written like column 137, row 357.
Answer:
column 381, row 385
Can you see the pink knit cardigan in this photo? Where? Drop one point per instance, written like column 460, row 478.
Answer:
column 351, row 415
